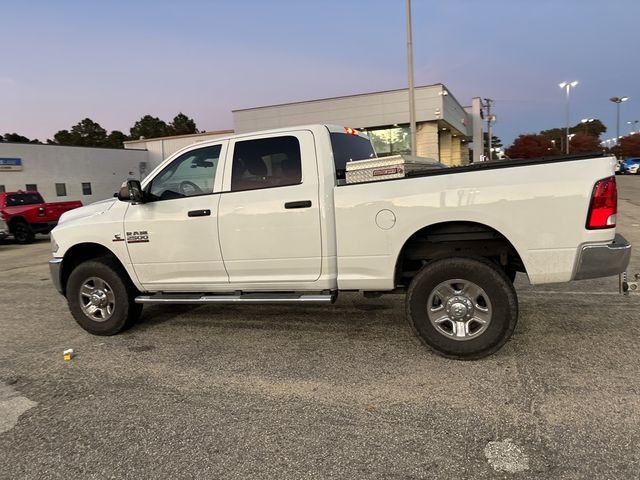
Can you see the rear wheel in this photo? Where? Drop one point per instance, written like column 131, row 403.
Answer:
column 101, row 297
column 463, row 308
column 22, row 232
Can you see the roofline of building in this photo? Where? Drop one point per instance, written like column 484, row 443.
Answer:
column 338, row 98
column 144, row 140
column 65, row 146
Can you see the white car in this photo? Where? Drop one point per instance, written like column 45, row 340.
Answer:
column 270, row 217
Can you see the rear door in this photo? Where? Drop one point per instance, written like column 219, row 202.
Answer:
column 269, row 215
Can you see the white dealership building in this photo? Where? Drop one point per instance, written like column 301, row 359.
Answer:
column 68, row 173
column 444, row 130
column 444, row 127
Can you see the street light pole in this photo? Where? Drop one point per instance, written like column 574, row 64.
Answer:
column 586, row 121
column 618, row 101
column 412, row 98
column 633, row 124
column 567, row 86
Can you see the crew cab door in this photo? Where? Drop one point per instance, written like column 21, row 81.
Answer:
column 269, row 215
column 172, row 238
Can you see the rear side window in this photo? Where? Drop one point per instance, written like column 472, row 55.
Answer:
column 347, row 148
column 267, row 162
column 24, row 199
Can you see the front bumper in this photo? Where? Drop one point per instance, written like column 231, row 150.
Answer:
column 597, row 261
column 55, row 268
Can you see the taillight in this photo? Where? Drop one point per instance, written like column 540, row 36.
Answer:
column 604, row 204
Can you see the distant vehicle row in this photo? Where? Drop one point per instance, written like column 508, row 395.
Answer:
column 629, row 166
column 26, row 213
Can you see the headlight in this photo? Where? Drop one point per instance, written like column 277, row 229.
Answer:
column 54, row 245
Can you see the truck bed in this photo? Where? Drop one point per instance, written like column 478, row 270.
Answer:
column 540, row 205
column 489, row 165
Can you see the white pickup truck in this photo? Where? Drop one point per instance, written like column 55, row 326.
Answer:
column 268, row 217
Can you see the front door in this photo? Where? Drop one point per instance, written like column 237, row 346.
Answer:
column 269, row 216
column 172, row 238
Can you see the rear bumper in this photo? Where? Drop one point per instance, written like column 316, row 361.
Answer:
column 55, row 269
column 597, row 261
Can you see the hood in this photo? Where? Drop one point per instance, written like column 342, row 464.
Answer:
column 87, row 211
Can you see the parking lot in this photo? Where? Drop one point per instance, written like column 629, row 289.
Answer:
column 341, row 391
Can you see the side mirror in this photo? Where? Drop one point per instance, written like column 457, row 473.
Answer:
column 132, row 192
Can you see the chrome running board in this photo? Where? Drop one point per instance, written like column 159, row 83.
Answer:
column 200, row 298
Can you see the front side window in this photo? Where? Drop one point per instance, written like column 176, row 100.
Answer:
column 267, row 162
column 192, row 173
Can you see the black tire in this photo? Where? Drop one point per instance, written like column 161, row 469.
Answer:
column 497, row 302
column 108, row 279
column 22, row 232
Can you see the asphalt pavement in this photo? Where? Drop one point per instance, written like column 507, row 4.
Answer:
column 320, row 392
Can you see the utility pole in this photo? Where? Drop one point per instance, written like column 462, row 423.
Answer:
column 490, row 119
column 412, row 98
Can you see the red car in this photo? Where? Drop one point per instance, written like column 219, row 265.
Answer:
column 26, row 214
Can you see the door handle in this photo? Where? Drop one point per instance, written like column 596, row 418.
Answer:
column 298, row 204
column 199, row 213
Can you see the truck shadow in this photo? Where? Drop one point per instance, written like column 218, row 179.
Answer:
column 11, row 242
column 351, row 313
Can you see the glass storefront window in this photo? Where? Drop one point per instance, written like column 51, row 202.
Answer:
column 390, row 141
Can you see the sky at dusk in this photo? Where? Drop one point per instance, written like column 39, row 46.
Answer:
column 116, row 61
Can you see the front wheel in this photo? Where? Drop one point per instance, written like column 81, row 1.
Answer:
column 101, row 297
column 463, row 308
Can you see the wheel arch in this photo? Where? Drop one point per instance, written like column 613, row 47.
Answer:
column 15, row 219
column 455, row 238
column 81, row 253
